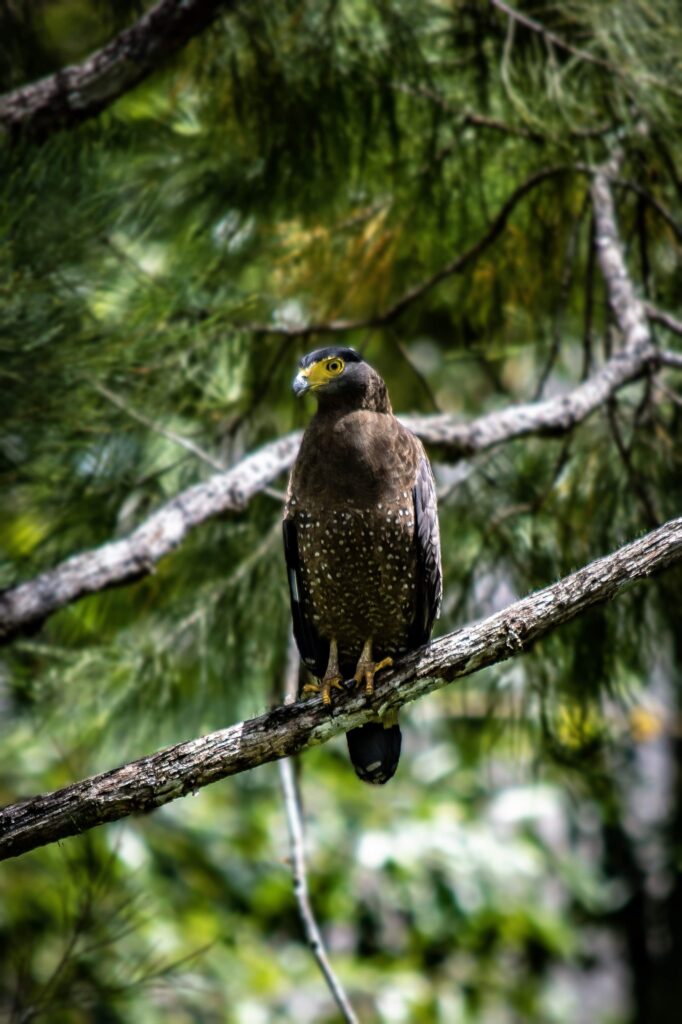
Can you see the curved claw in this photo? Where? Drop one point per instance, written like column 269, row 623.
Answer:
column 366, row 670
column 324, row 688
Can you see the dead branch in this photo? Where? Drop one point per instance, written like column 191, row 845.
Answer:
column 660, row 316
column 132, row 557
column 155, row 780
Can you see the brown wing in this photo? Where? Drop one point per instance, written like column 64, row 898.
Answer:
column 429, row 571
column 314, row 650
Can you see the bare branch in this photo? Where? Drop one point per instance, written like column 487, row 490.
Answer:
column 132, row 557
column 627, row 308
column 175, row 771
column 123, row 561
column 552, row 417
column 455, row 266
column 550, row 38
column 671, row 359
column 80, row 91
column 292, row 807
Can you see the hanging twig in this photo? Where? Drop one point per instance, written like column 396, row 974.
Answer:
column 158, row 428
column 292, row 807
column 564, row 292
column 635, row 480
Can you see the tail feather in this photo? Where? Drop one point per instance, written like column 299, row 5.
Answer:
column 375, row 751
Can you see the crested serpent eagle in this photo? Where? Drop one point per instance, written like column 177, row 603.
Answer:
column 361, row 541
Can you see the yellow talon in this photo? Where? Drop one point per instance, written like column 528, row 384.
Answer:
column 366, row 669
column 329, row 683
column 332, row 680
column 324, row 688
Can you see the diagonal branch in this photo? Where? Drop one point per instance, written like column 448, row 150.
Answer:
column 175, row 771
column 132, row 557
column 27, row 605
column 660, row 316
column 551, row 38
column 417, row 291
column 80, row 91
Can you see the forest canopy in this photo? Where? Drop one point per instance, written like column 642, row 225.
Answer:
column 484, row 200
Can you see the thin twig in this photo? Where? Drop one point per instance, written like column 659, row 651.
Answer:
column 636, row 483
column 550, row 38
column 180, row 439
column 292, row 807
column 660, row 316
column 184, row 442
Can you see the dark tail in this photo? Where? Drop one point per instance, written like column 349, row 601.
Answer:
column 375, row 751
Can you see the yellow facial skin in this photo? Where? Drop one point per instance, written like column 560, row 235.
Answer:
column 320, row 373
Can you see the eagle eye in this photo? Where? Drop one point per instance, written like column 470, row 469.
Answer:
column 334, row 366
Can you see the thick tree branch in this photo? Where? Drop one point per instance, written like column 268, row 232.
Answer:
column 171, row 773
column 80, row 91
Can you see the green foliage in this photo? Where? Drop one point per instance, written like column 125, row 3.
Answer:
column 307, row 161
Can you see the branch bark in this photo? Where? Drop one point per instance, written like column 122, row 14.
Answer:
column 660, row 316
column 186, row 767
column 80, row 91
column 133, row 557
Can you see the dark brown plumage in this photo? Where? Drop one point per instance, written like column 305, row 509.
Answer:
column 361, row 540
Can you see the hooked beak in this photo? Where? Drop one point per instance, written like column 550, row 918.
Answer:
column 301, row 383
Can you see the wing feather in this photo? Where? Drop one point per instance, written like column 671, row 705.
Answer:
column 429, row 571
column 314, row 650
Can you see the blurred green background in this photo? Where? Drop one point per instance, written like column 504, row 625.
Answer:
column 309, row 161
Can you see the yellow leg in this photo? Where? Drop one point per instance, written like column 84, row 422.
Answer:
column 366, row 668
column 332, row 677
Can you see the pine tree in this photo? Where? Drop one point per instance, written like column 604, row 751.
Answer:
column 420, row 181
